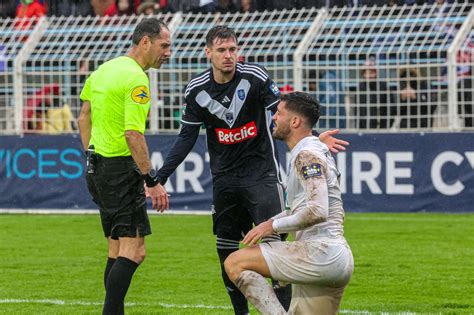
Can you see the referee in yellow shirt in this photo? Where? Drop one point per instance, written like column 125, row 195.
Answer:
column 116, row 101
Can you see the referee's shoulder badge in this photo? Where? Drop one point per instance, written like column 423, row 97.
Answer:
column 141, row 94
column 312, row 170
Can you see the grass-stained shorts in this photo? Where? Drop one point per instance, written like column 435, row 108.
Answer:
column 318, row 269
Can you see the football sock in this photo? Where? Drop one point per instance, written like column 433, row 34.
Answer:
column 259, row 292
column 118, row 282
column 236, row 297
column 108, row 266
column 283, row 293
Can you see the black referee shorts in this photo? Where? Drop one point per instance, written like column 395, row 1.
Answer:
column 116, row 186
column 236, row 209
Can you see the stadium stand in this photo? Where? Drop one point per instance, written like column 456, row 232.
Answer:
column 422, row 57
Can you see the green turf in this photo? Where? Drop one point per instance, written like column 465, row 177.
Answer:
column 419, row 263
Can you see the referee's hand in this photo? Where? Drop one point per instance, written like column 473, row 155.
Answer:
column 159, row 197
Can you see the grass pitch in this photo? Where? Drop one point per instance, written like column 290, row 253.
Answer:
column 404, row 263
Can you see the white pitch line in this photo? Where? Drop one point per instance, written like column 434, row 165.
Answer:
column 174, row 306
column 96, row 212
column 84, row 303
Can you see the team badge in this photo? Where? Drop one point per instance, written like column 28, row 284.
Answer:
column 141, row 95
column 229, row 117
column 241, row 94
column 274, row 89
column 312, row 170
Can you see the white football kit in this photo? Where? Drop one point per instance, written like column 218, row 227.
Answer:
column 319, row 262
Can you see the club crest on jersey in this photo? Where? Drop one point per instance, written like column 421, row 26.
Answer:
column 229, row 117
column 312, row 170
column 241, row 94
column 141, row 95
column 274, row 89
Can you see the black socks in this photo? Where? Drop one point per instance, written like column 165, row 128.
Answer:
column 239, row 302
column 118, row 282
column 108, row 266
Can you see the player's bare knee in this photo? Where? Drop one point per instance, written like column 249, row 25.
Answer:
column 232, row 267
column 140, row 255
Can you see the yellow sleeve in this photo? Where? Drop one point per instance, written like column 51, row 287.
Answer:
column 137, row 103
column 86, row 90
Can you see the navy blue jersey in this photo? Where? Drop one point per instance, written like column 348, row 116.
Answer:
column 237, row 116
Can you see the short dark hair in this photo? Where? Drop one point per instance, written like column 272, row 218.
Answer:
column 150, row 27
column 303, row 104
column 221, row 32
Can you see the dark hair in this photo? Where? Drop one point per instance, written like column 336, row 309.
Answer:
column 221, row 32
column 409, row 76
column 150, row 27
column 303, row 104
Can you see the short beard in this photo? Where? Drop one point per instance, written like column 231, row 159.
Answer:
column 281, row 134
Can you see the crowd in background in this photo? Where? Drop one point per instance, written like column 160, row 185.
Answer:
column 376, row 104
column 30, row 8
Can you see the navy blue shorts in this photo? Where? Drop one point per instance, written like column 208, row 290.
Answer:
column 237, row 209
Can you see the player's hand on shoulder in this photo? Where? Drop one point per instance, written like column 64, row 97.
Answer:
column 159, row 197
column 258, row 232
column 334, row 144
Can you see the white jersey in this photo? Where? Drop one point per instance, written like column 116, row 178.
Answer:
column 310, row 157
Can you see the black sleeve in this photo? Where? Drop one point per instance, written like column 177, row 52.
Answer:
column 179, row 151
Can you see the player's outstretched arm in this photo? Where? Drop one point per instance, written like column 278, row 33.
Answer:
column 184, row 143
column 334, row 144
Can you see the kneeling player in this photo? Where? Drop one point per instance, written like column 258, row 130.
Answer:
column 319, row 263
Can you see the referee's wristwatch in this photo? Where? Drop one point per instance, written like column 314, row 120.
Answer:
column 151, row 178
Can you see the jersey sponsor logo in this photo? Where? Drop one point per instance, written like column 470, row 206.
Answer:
column 274, row 89
column 236, row 135
column 141, row 95
column 312, row 170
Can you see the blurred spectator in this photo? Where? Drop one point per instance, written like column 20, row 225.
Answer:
column 207, row 6
column 195, row 6
column 69, row 8
column 371, row 111
column 271, row 5
column 28, row 9
column 101, row 6
column 225, row 6
column 247, row 6
column 315, row 3
column 7, row 9
column 287, row 88
column 415, row 107
column 148, row 8
column 331, row 96
column 59, row 119
column 37, row 105
column 121, row 7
